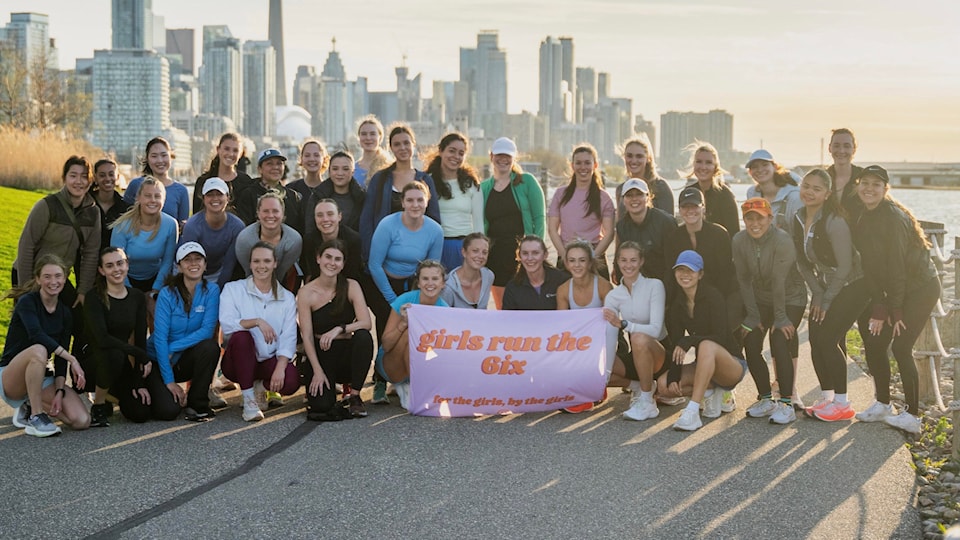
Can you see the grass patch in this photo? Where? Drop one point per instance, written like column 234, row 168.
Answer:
column 16, row 205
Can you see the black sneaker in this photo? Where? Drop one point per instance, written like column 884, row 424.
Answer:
column 335, row 414
column 356, row 408
column 99, row 415
column 198, row 415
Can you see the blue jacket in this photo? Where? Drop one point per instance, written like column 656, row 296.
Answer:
column 175, row 330
column 377, row 205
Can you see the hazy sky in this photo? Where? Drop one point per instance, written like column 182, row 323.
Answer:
column 787, row 71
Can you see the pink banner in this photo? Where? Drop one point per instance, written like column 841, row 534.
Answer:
column 466, row 362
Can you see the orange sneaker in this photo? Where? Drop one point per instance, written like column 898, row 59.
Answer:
column 579, row 408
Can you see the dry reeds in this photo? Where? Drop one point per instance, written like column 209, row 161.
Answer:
column 35, row 160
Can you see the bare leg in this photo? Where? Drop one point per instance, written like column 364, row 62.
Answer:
column 396, row 362
column 647, row 358
column 74, row 413
column 24, row 376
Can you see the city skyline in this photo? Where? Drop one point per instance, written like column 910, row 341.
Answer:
column 788, row 74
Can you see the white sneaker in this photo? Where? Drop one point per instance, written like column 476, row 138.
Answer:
column 712, row 406
column 260, row 395
column 876, row 412
column 784, row 414
column 642, row 409
column 905, row 421
column 216, row 400
column 251, row 411
column 729, row 403
column 764, row 407
column 403, row 392
column 797, row 403
column 21, row 417
column 689, row 420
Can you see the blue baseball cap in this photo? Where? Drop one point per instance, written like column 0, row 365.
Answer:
column 269, row 153
column 760, row 155
column 691, row 259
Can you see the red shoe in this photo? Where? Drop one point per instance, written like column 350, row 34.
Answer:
column 601, row 400
column 582, row 407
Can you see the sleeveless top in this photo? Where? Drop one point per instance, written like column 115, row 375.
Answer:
column 594, row 303
column 324, row 320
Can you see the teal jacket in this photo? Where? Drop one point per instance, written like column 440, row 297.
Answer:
column 529, row 199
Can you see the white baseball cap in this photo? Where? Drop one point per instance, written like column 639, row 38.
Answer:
column 504, row 145
column 215, row 184
column 188, row 248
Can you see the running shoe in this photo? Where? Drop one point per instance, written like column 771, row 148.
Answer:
column 671, row 401
column 216, row 400
column 22, row 417
column 797, row 404
column 40, row 425
column 380, row 393
column 602, row 398
column 729, row 403
column 689, row 420
column 260, row 395
column 835, row 412
column 876, row 412
column 579, row 408
column 642, row 409
column 199, row 414
column 403, row 392
column 764, row 407
column 783, row 414
column 905, row 421
column 251, row 411
column 713, row 405
column 817, row 406
column 356, row 408
column 274, row 399
column 99, row 415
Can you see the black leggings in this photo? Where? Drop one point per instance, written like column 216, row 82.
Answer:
column 917, row 306
column 828, row 337
column 347, row 361
column 196, row 365
column 780, row 347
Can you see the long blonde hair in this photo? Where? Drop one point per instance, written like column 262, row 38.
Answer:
column 132, row 220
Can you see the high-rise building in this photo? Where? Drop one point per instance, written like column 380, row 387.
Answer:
column 551, row 77
column 484, row 70
column 678, row 129
column 133, row 25
column 130, row 100
column 568, row 74
column 275, row 35
column 331, row 118
column 586, row 94
column 603, row 85
column 259, row 89
column 303, row 87
column 28, row 36
column 180, row 42
column 221, row 75
column 642, row 125
column 408, row 94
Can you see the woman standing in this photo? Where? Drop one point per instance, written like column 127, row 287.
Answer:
column 830, row 265
column 148, row 237
column 461, row 202
column 328, row 225
column 904, row 288
column 705, row 173
column 638, row 160
column 775, row 298
column 272, row 166
column 105, row 195
column 698, row 321
column 513, row 207
column 583, row 209
column 468, row 285
column 403, row 240
column 335, row 327
column 384, row 190
column 636, row 306
column 259, row 322
column 117, row 330
column 229, row 151
column 393, row 359
column 709, row 240
column 156, row 163
column 373, row 158
column 40, row 327
column 217, row 231
column 183, row 342
column 271, row 229
column 314, row 161
column 774, row 183
column 342, row 188
column 535, row 282
column 843, row 146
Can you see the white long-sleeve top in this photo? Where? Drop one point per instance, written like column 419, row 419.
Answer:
column 242, row 300
column 642, row 307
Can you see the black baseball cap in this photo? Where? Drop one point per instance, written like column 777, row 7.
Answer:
column 875, row 170
column 690, row 195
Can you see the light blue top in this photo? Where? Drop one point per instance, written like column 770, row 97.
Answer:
column 360, row 175
column 412, row 297
column 176, row 202
column 145, row 257
column 396, row 250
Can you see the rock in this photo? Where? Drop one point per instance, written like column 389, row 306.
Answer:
column 947, row 477
column 925, row 501
column 928, row 513
column 922, row 481
column 950, row 514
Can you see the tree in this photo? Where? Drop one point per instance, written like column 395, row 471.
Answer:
column 35, row 96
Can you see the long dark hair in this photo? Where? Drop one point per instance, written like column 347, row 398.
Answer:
column 214, row 168
column 340, row 289
column 145, row 162
column 467, row 177
column 593, row 195
column 100, row 281
column 175, row 281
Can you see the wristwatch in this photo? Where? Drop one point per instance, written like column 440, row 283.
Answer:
column 623, row 324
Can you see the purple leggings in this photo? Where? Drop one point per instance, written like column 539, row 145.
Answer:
column 240, row 365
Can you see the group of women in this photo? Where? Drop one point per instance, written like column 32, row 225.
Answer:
column 267, row 268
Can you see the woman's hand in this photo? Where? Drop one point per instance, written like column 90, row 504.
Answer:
column 876, row 326
column 611, row 317
column 79, row 379
column 788, row 331
column 678, row 355
column 141, row 394
column 318, row 383
column 146, row 369
column 56, row 406
column 673, row 389
column 276, row 380
column 177, row 392
column 898, row 327
column 326, row 339
column 817, row 314
column 269, row 335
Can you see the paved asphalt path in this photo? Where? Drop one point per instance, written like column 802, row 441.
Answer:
column 392, row 475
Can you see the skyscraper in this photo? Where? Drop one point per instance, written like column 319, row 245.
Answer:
column 551, row 75
column 131, row 100
column 259, row 89
column 568, row 74
column 180, row 41
column 331, row 117
column 678, row 129
column 133, row 25
column 275, row 35
column 484, row 70
column 221, row 75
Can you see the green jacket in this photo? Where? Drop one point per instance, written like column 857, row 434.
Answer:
column 529, row 198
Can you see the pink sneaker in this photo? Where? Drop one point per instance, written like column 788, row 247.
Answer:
column 836, row 412
column 818, row 406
